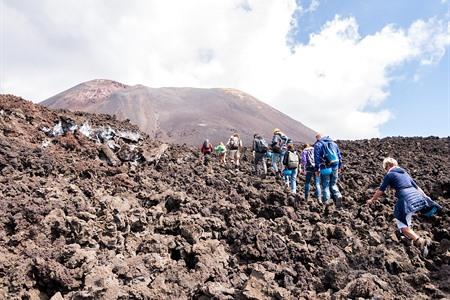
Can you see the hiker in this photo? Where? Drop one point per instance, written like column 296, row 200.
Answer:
column 206, row 150
column 234, row 146
column 410, row 199
column 279, row 142
column 221, row 151
column 291, row 163
column 309, row 171
column 327, row 163
column 260, row 149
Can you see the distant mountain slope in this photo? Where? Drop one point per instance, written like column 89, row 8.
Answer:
column 181, row 115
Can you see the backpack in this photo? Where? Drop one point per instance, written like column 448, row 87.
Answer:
column 292, row 160
column 234, row 143
column 329, row 153
column 206, row 148
column 276, row 143
column 310, row 163
column 261, row 145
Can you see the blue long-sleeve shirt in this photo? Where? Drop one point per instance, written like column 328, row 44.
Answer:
column 319, row 155
column 397, row 179
column 409, row 198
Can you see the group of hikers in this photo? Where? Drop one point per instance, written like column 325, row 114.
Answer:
column 322, row 163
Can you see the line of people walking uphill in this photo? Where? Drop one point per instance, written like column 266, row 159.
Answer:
column 321, row 164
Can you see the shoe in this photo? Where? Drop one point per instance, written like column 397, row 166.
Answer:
column 339, row 203
column 422, row 245
column 327, row 202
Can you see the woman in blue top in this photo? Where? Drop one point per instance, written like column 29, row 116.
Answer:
column 410, row 199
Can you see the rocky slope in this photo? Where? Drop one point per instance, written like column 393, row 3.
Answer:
column 181, row 115
column 93, row 209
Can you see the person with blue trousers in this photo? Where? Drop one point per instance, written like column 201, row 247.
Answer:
column 291, row 162
column 278, row 146
column 327, row 163
column 410, row 199
column 309, row 170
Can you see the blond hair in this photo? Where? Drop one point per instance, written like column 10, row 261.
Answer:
column 389, row 161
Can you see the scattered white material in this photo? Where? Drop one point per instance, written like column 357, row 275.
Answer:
column 112, row 145
column 105, row 134
column 73, row 128
column 129, row 135
column 86, row 130
column 57, row 130
column 45, row 143
column 45, row 129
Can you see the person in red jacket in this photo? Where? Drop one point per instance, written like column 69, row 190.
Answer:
column 206, row 150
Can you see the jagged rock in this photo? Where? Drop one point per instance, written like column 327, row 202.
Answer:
column 155, row 154
column 156, row 224
column 109, row 155
column 57, row 296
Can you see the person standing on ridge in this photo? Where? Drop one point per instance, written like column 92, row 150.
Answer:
column 206, row 150
column 279, row 144
column 308, row 168
column 221, row 151
column 260, row 149
column 410, row 199
column 291, row 162
column 327, row 163
column 234, row 146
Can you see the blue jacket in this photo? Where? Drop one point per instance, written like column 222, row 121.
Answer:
column 409, row 199
column 319, row 156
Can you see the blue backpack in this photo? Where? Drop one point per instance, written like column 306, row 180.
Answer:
column 329, row 153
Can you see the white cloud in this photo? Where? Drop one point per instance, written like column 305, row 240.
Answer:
column 333, row 83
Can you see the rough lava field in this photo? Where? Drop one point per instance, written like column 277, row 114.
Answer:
column 91, row 208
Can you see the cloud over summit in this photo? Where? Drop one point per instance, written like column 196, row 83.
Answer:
column 334, row 82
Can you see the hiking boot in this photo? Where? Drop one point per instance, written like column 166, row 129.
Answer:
column 339, row 203
column 327, row 202
column 422, row 245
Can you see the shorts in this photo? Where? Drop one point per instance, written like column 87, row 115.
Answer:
column 401, row 225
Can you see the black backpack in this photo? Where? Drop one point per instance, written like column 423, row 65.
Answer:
column 261, row 145
column 234, row 143
column 276, row 143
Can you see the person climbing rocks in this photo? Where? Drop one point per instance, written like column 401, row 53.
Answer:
column 260, row 148
column 234, row 146
column 410, row 199
column 206, row 150
column 278, row 146
column 308, row 169
column 221, row 151
column 291, row 162
column 327, row 163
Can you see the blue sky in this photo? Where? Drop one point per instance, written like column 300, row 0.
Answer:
column 419, row 95
column 350, row 69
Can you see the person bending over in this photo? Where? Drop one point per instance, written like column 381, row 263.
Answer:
column 410, row 199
